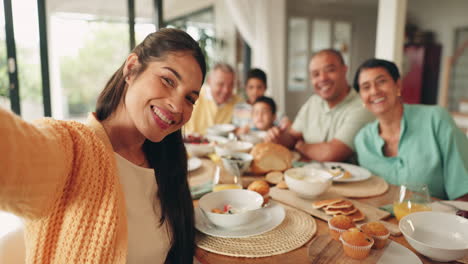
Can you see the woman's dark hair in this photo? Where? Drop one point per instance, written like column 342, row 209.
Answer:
column 267, row 100
column 389, row 66
column 256, row 73
column 168, row 158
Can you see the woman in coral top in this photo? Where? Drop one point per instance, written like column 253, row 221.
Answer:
column 114, row 190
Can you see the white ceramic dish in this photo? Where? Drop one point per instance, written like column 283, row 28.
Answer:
column 396, row 253
column 220, row 129
column 193, row 163
column 237, row 162
column 436, row 235
column 254, row 137
column 267, row 219
column 199, row 150
column 233, row 147
column 357, row 173
column 442, row 207
column 308, row 182
column 217, row 139
column 247, row 202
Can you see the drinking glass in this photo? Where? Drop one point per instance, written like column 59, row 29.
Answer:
column 225, row 181
column 411, row 198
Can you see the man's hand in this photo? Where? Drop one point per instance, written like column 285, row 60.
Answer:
column 274, row 134
column 299, row 145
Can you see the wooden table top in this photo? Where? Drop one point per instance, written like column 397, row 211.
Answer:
column 300, row 255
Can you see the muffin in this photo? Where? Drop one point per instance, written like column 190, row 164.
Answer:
column 262, row 187
column 356, row 244
column 378, row 232
column 338, row 224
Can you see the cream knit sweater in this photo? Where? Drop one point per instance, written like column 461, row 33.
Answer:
column 61, row 177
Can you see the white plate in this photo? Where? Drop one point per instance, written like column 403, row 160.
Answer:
column 440, row 207
column 357, row 173
column 194, row 163
column 396, row 253
column 269, row 218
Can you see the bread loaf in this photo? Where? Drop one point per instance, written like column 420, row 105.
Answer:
column 270, row 157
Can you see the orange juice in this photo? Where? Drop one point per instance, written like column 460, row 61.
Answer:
column 403, row 208
column 220, row 187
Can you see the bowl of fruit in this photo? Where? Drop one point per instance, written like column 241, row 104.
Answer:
column 197, row 145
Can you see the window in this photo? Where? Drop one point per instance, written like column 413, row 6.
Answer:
column 200, row 25
column 4, row 94
column 302, row 43
column 298, row 54
column 87, row 44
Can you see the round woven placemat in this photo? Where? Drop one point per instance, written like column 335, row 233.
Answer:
column 296, row 229
column 374, row 186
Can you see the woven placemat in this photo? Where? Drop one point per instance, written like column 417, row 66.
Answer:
column 374, row 186
column 296, row 229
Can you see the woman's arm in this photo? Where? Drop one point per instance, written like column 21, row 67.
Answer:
column 454, row 149
column 34, row 163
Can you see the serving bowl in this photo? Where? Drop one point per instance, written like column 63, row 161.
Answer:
column 308, row 182
column 233, row 147
column 436, row 235
column 199, row 150
column 220, row 129
column 253, row 137
column 237, row 163
column 244, row 204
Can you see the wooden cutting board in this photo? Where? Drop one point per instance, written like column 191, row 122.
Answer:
column 372, row 213
column 323, row 249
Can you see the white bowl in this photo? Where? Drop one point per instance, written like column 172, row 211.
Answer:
column 237, row 161
column 245, row 200
column 308, row 182
column 199, row 150
column 216, row 139
column 220, row 129
column 253, row 137
column 233, row 147
column 436, row 235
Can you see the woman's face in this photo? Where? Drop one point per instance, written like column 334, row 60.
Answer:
column 262, row 117
column 254, row 88
column 160, row 100
column 379, row 92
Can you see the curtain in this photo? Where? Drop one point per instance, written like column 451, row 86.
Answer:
column 262, row 24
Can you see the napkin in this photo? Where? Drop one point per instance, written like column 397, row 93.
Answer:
column 388, row 208
column 199, row 190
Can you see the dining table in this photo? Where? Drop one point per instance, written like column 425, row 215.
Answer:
column 301, row 254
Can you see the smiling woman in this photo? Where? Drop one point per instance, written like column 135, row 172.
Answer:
column 118, row 185
column 416, row 144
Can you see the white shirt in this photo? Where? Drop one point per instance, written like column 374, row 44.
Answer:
column 148, row 242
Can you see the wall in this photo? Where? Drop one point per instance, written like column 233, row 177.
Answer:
column 441, row 17
column 364, row 21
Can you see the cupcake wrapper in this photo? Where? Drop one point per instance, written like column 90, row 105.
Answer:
column 359, row 248
column 381, row 237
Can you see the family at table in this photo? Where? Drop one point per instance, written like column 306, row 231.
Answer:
column 366, row 124
column 115, row 190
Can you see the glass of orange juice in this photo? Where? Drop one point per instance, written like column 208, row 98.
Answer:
column 225, row 181
column 412, row 198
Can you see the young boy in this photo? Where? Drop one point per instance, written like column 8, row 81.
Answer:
column 263, row 116
column 255, row 86
column 263, row 113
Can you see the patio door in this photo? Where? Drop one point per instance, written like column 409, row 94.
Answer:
column 305, row 36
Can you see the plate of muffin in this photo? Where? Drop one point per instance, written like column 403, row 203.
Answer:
column 359, row 241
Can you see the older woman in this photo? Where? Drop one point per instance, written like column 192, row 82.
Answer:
column 409, row 143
